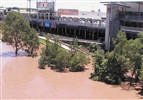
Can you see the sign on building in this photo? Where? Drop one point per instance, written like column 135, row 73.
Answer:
column 47, row 24
column 108, row 9
column 67, row 11
column 45, row 6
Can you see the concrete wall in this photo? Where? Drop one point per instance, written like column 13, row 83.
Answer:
column 112, row 15
column 134, row 7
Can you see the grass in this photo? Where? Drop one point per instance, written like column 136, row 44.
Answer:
column 23, row 8
column 42, row 41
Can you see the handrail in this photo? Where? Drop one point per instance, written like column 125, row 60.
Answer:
column 129, row 17
column 67, row 47
column 137, row 29
column 102, row 25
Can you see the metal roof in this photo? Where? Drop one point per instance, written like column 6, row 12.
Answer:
column 118, row 4
column 123, row 4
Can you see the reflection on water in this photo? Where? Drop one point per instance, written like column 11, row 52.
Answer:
column 21, row 79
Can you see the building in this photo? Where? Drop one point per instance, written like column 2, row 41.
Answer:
column 126, row 16
column 88, row 26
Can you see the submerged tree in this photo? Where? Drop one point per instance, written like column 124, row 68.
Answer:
column 59, row 59
column 112, row 66
column 134, row 51
column 17, row 32
column 1, row 26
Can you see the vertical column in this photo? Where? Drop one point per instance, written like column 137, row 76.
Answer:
column 43, row 26
column 79, row 34
column 32, row 25
column 74, row 32
column 65, row 30
column 85, row 34
column 98, row 34
column 62, row 31
column 37, row 26
column 138, row 15
column 92, row 35
column 108, row 19
column 57, row 30
column 48, row 16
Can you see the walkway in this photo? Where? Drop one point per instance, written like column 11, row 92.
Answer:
column 62, row 45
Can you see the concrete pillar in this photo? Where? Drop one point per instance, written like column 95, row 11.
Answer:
column 111, row 15
column 138, row 15
column 79, row 33
column 65, row 30
column 92, row 35
column 50, row 29
column 85, row 34
column 57, row 30
column 37, row 27
column 99, row 22
column 37, row 15
column 43, row 26
column 74, row 32
column 62, row 30
column 48, row 16
column 97, row 34
column 70, row 30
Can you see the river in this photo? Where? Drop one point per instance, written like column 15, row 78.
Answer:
column 21, row 79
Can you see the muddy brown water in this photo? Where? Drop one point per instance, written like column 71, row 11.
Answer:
column 21, row 79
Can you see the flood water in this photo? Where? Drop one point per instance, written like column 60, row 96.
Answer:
column 21, row 79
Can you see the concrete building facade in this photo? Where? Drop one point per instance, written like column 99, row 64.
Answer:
column 126, row 16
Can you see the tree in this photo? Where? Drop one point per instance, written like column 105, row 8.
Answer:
column 99, row 69
column 1, row 26
column 62, row 59
column 17, row 32
column 74, row 45
column 31, row 43
column 93, row 47
column 77, row 62
column 57, row 58
column 134, row 51
column 119, row 42
column 112, row 66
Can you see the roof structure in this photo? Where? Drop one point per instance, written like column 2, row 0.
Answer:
column 122, row 4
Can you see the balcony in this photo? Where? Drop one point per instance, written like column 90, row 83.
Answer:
column 100, row 24
column 132, row 18
column 131, row 29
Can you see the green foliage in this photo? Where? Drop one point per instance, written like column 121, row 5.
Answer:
column 134, row 51
column 42, row 41
column 57, row 58
column 93, row 47
column 126, row 56
column 120, row 42
column 31, row 43
column 77, row 62
column 112, row 66
column 17, row 32
column 117, row 67
column 74, row 45
column 99, row 68
column 1, row 25
column 62, row 59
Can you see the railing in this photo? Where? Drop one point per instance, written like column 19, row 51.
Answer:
column 101, row 25
column 82, row 24
column 132, row 18
column 134, row 29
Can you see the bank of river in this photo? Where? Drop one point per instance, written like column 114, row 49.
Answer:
column 21, row 79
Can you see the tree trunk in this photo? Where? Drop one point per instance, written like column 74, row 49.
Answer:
column 16, row 51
